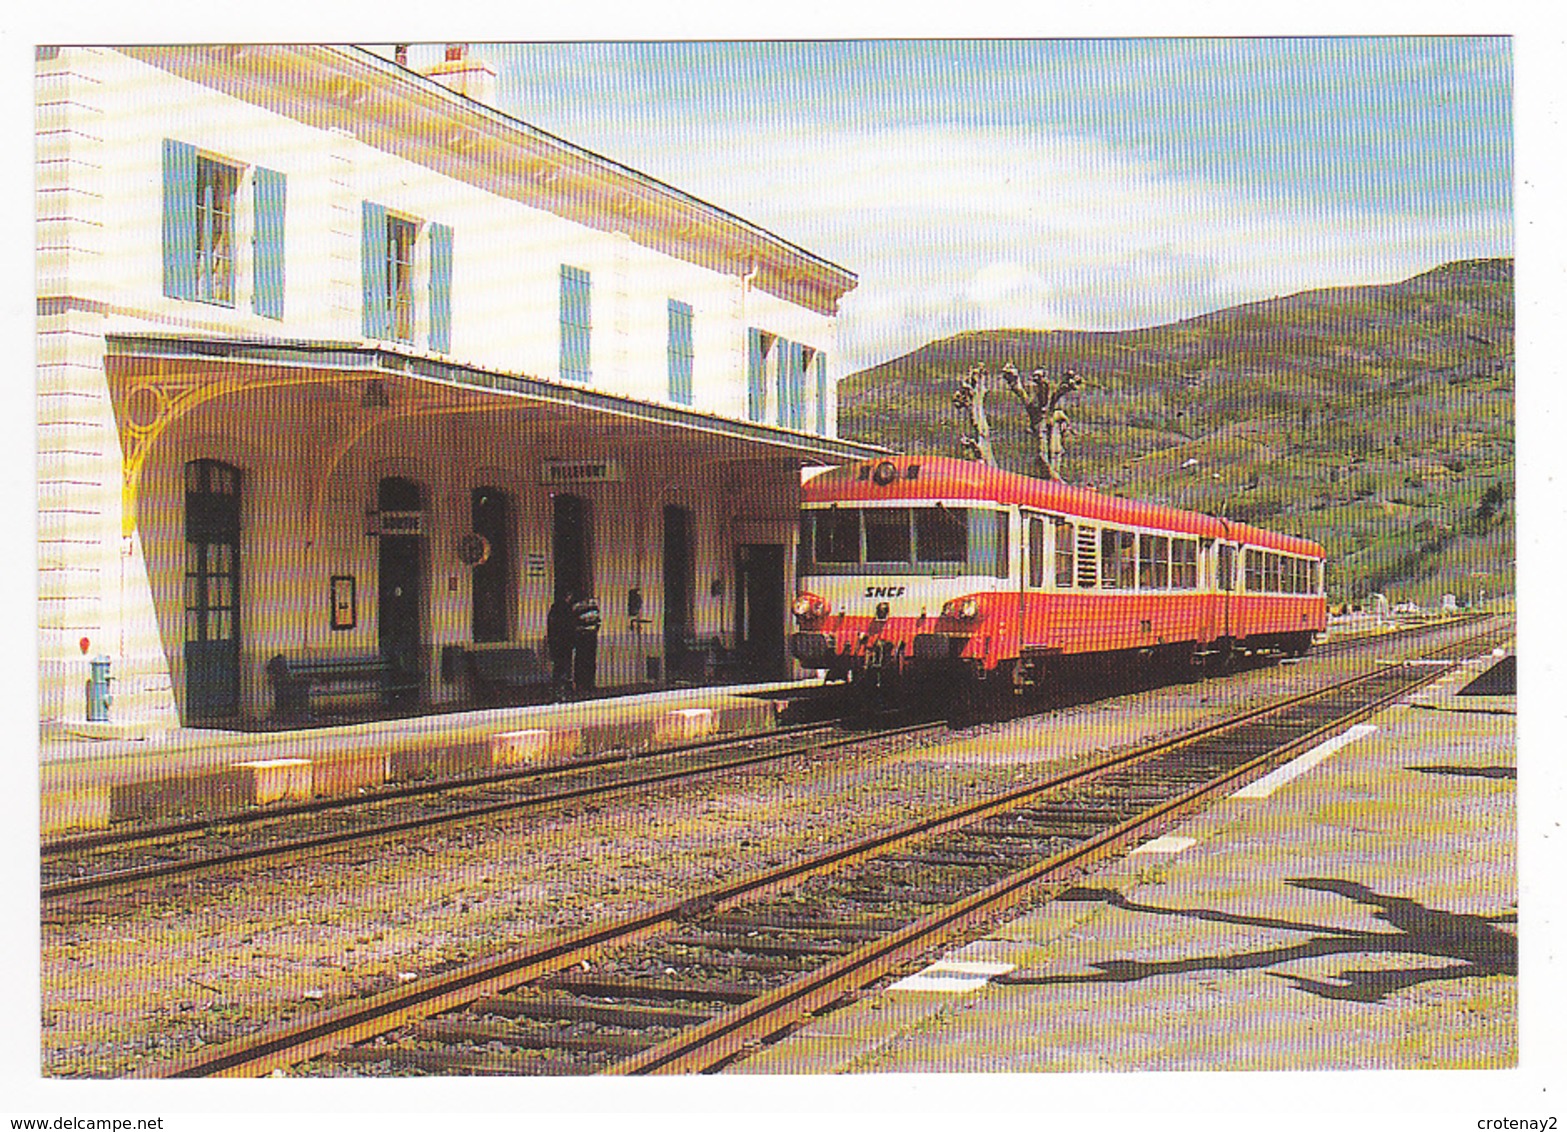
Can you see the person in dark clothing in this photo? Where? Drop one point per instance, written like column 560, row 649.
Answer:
column 585, row 614
column 560, row 633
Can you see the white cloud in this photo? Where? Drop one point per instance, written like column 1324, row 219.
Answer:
column 959, row 228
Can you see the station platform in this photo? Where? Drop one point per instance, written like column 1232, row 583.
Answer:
column 88, row 782
column 1353, row 909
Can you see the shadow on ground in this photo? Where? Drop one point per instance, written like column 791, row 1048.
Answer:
column 1474, row 947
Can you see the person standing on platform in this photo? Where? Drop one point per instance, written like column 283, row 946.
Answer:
column 560, row 634
column 585, row 612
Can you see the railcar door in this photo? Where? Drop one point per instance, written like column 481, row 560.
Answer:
column 1033, row 614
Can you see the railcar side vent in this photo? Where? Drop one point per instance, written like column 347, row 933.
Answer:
column 1087, row 557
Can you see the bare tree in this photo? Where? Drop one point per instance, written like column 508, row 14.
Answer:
column 1047, row 421
column 970, row 398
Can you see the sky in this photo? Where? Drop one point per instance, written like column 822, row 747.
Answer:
column 1058, row 184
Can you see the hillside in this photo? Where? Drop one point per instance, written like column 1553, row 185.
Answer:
column 1377, row 420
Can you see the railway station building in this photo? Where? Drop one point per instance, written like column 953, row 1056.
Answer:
column 336, row 358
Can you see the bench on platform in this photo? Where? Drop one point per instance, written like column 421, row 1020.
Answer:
column 701, row 662
column 295, row 679
column 503, row 671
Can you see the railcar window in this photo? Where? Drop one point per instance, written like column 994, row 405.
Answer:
column 1003, row 544
column 1066, row 542
column 1253, row 571
column 1316, row 577
column 1275, row 580
column 1183, row 564
column 1036, row 551
column 1110, row 557
column 1154, row 562
column 1118, row 559
column 941, row 534
column 1226, row 567
column 838, row 537
column 887, row 534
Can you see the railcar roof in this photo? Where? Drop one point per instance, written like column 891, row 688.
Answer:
column 943, row 477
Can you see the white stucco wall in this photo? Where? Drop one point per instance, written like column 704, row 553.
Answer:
column 114, row 580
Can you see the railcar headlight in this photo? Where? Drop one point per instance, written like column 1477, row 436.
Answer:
column 808, row 606
column 961, row 609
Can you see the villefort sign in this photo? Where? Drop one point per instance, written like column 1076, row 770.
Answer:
column 583, row 471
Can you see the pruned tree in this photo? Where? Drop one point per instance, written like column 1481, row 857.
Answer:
column 970, row 398
column 1047, row 421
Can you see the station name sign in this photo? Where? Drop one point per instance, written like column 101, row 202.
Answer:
column 583, row 471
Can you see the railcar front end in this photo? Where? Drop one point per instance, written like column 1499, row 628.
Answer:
column 903, row 586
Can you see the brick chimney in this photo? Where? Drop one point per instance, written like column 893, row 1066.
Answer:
column 463, row 73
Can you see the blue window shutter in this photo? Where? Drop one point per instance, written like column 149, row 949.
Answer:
column 681, row 352
column 271, row 206
column 821, row 393
column 756, row 401
column 440, row 288
column 179, row 219
column 796, row 385
column 576, row 324
column 378, row 314
column 781, row 380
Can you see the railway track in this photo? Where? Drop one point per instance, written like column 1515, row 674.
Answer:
column 691, row 985
column 102, row 863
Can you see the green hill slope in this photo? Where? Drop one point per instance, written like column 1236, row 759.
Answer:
column 1377, row 420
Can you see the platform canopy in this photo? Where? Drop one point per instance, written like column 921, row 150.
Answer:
column 158, row 379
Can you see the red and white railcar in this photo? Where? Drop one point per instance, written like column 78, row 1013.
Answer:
column 916, row 565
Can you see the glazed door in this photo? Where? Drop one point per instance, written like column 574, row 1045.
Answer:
column 212, row 506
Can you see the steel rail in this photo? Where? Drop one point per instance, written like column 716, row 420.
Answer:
column 124, row 839
column 103, row 883
column 711, row 1045
column 360, row 1021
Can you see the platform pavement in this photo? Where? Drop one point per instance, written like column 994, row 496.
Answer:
column 86, row 781
column 1356, row 911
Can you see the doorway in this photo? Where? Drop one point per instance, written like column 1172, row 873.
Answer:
column 759, row 610
column 212, row 506
column 573, row 545
column 679, row 581
column 400, row 592
column 492, row 578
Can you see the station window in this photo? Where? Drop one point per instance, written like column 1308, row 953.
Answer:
column 215, row 185
column 397, row 250
column 204, row 221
